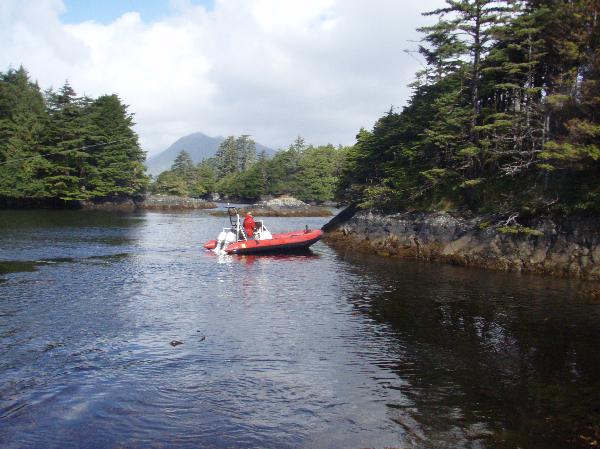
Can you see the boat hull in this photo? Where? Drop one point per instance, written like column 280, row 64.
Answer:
column 280, row 243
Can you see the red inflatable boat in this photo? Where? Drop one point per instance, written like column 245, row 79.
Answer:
column 233, row 240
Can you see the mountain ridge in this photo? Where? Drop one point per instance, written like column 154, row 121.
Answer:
column 199, row 146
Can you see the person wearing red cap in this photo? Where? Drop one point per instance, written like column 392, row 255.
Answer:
column 249, row 225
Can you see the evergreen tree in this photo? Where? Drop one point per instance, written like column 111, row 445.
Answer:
column 115, row 164
column 317, row 176
column 246, row 150
column 183, row 163
column 573, row 121
column 206, row 179
column 66, row 139
column 183, row 166
column 504, row 120
column 171, row 183
column 473, row 19
column 23, row 121
column 228, row 157
column 64, row 146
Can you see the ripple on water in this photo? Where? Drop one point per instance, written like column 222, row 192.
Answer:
column 319, row 350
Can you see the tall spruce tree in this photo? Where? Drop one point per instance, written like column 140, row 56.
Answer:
column 246, row 149
column 64, row 146
column 183, row 166
column 68, row 127
column 116, row 162
column 228, row 157
column 23, row 121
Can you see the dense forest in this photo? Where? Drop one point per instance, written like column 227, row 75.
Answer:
column 504, row 118
column 55, row 145
column 304, row 171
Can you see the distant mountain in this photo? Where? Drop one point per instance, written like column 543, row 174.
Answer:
column 198, row 145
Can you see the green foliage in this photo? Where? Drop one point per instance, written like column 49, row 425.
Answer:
column 228, row 157
column 23, row 122
column 317, row 174
column 64, row 146
column 306, row 172
column 118, row 169
column 185, row 179
column 171, row 183
column 520, row 230
column 506, row 117
column 205, row 179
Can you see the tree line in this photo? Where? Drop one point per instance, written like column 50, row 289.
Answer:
column 504, row 118
column 310, row 173
column 57, row 145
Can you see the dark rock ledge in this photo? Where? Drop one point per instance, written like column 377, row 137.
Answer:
column 569, row 249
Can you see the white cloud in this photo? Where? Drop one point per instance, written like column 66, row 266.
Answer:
column 270, row 68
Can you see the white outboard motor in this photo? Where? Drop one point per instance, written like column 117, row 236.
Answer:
column 225, row 238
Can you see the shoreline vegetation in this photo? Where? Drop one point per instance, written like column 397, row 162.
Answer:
column 309, row 173
column 500, row 140
column 494, row 161
column 122, row 204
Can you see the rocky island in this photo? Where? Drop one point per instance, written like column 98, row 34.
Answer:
column 284, row 206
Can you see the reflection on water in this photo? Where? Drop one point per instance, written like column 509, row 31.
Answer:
column 506, row 359
column 323, row 349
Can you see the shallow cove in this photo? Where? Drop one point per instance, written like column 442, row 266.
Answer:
column 328, row 349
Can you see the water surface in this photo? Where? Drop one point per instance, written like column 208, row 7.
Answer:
column 323, row 350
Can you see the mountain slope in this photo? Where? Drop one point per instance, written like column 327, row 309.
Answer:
column 198, row 145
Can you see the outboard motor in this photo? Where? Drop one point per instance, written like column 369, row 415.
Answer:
column 225, row 238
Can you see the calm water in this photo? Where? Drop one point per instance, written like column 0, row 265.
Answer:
column 324, row 350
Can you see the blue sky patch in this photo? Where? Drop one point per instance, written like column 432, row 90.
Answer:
column 106, row 11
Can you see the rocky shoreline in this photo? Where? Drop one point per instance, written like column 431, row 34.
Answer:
column 284, row 206
column 149, row 202
column 567, row 249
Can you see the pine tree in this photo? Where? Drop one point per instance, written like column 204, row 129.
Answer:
column 170, row 183
column 23, row 120
column 246, row 149
column 206, row 179
column 228, row 157
column 115, row 166
column 62, row 146
column 183, row 166
column 473, row 19
column 512, row 129
column 66, row 139
column 573, row 122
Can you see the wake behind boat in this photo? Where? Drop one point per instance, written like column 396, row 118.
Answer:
column 234, row 239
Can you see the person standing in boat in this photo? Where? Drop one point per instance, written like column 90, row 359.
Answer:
column 249, row 225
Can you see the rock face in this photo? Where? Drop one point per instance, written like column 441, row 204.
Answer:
column 562, row 249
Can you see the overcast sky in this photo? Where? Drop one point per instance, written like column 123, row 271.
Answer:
column 274, row 69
